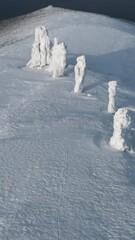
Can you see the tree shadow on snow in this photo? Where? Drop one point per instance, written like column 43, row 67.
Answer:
column 126, row 99
column 92, row 85
column 118, row 64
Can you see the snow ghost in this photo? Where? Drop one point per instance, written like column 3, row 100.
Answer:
column 79, row 70
column 112, row 92
column 44, row 48
column 53, row 54
column 35, row 56
column 122, row 122
column 56, row 42
column 58, row 59
column 40, row 55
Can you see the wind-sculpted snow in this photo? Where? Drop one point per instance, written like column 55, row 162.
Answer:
column 59, row 177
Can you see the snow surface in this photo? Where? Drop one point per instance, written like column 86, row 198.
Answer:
column 59, row 178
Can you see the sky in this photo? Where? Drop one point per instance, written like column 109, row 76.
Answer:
column 115, row 8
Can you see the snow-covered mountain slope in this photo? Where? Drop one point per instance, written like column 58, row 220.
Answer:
column 59, row 178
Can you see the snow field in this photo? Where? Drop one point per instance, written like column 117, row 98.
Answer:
column 59, row 178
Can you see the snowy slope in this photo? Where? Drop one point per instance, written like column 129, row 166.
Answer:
column 59, row 178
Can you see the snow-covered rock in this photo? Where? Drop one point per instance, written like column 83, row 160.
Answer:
column 79, row 70
column 121, row 126
column 112, row 92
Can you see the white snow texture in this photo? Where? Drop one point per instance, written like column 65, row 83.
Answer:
column 112, row 92
column 40, row 56
column 79, row 73
column 121, row 126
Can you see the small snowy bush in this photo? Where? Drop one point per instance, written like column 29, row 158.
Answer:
column 58, row 59
column 40, row 55
column 112, row 92
column 121, row 126
column 79, row 70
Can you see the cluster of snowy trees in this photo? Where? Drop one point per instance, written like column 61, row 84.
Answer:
column 55, row 57
column 40, row 55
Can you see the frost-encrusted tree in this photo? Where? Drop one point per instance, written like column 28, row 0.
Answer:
column 79, row 69
column 58, row 59
column 54, row 48
column 40, row 55
column 44, row 48
column 121, row 125
column 112, row 93
column 53, row 54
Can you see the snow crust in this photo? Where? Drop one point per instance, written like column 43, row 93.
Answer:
column 59, row 176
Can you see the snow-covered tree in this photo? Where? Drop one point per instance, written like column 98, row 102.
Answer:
column 45, row 48
column 122, row 122
column 53, row 55
column 53, row 52
column 58, row 59
column 40, row 55
column 48, row 47
column 79, row 70
column 112, row 92
column 35, row 56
